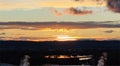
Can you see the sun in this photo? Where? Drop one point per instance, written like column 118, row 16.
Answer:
column 65, row 38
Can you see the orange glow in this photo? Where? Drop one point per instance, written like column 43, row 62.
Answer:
column 60, row 34
column 65, row 38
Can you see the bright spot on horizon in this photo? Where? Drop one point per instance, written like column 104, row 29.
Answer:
column 65, row 38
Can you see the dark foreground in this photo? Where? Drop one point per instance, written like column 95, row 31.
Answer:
column 12, row 51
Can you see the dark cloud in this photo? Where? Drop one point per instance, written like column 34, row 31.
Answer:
column 28, row 38
column 114, row 5
column 109, row 31
column 2, row 33
column 71, row 11
column 74, row 11
column 75, row 0
column 55, row 25
column 1, row 38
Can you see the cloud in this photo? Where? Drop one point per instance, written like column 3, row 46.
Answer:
column 71, row 11
column 1, row 38
column 55, row 12
column 114, row 5
column 29, row 38
column 109, row 31
column 55, row 25
column 74, row 11
column 2, row 33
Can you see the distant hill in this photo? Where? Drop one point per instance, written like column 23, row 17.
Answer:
column 84, row 44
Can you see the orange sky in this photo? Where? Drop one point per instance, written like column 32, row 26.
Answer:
column 59, row 34
column 57, row 20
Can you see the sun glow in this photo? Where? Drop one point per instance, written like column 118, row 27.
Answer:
column 65, row 38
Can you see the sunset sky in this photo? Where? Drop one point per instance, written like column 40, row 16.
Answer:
column 59, row 20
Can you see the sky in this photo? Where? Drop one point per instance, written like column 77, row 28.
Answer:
column 59, row 20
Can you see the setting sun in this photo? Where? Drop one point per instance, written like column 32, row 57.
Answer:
column 65, row 38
